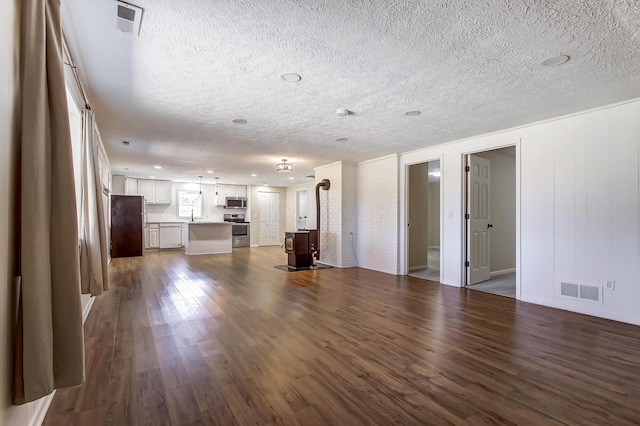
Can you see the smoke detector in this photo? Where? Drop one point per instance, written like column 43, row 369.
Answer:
column 343, row 112
column 128, row 17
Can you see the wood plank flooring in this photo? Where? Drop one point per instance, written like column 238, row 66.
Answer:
column 228, row 339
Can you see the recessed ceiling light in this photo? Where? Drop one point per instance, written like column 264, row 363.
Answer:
column 125, row 142
column 254, row 175
column 209, row 171
column 157, row 167
column 412, row 113
column 239, row 121
column 291, row 178
column 342, row 140
column 290, row 77
column 555, row 61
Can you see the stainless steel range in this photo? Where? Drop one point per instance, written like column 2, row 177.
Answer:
column 240, row 230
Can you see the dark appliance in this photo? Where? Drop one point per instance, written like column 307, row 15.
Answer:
column 299, row 246
column 127, row 225
column 235, row 203
column 240, row 236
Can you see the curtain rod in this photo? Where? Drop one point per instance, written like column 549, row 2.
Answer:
column 74, row 69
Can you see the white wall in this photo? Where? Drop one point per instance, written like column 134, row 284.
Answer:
column 117, row 185
column 291, row 219
column 578, row 206
column 502, row 208
column 377, row 222
column 338, row 214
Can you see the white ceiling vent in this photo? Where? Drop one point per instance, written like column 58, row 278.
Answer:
column 128, row 17
column 589, row 293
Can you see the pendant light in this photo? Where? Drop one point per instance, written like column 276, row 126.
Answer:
column 284, row 166
column 200, row 184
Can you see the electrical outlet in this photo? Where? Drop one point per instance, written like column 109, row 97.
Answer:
column 611, row 285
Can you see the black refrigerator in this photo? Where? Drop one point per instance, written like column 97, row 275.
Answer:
column 127, row 225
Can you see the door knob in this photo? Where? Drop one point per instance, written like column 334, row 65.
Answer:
column 489, row 225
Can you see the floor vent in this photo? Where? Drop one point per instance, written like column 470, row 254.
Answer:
column 589, row 293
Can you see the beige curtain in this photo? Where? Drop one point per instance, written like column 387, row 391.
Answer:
column 93, row 257
column 49, row 342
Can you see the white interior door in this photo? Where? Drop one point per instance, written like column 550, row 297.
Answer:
column 479, row 215
column 269, row 219
column 301, row 208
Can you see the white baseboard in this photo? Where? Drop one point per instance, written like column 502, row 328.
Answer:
column 585, row 310
column 40, row 409
column 255, row 245
column 87, row 309
column 503, row 271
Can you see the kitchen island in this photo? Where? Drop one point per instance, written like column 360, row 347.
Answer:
column 208, row 238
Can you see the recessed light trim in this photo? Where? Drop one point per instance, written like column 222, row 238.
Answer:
column 254, row 175
column 342, row 140
column 157, row 167
column 209, row 171
column 412, row 113
column 290, row 77
column 555, row 61
column 291, row 178
column 239, row 121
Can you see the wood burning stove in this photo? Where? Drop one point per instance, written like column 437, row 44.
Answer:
column 299, row 246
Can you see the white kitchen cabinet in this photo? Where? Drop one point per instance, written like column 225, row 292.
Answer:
column 153, row 236
column 163, row 192
column 183, row 235
column 130, row 186
column 155, row 191
column 227, row 190
column 147, row 188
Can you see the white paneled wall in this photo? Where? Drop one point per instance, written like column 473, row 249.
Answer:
column 338, row 214
column 377, row 223
column 578, row 207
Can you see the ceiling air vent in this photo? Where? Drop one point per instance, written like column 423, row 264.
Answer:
column 128, row 17
column 589, row 293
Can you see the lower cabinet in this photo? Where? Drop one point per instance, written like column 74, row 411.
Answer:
column 153, row 236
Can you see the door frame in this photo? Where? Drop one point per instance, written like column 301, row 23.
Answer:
column 404, row 270
column 463, row 200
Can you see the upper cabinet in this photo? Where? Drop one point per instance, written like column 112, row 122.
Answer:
column 153, row 191
column 224, row 191
column 163, row 192
column 130, row 186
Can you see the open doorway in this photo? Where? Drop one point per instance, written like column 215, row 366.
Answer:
column 424, row 220
column 301, row 208
column 490, row 221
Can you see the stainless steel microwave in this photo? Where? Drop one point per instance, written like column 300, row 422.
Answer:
column 235, row 203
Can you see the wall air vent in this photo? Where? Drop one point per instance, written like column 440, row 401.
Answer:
column 128, row 17
column 589, row 293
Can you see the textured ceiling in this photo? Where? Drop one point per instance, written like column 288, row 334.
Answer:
column 469, row 66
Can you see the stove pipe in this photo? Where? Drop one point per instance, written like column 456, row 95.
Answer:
column 325, row 184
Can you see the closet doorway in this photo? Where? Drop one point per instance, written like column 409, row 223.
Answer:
column 423, row 231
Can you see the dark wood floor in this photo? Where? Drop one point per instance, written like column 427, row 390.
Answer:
column 229, row 339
